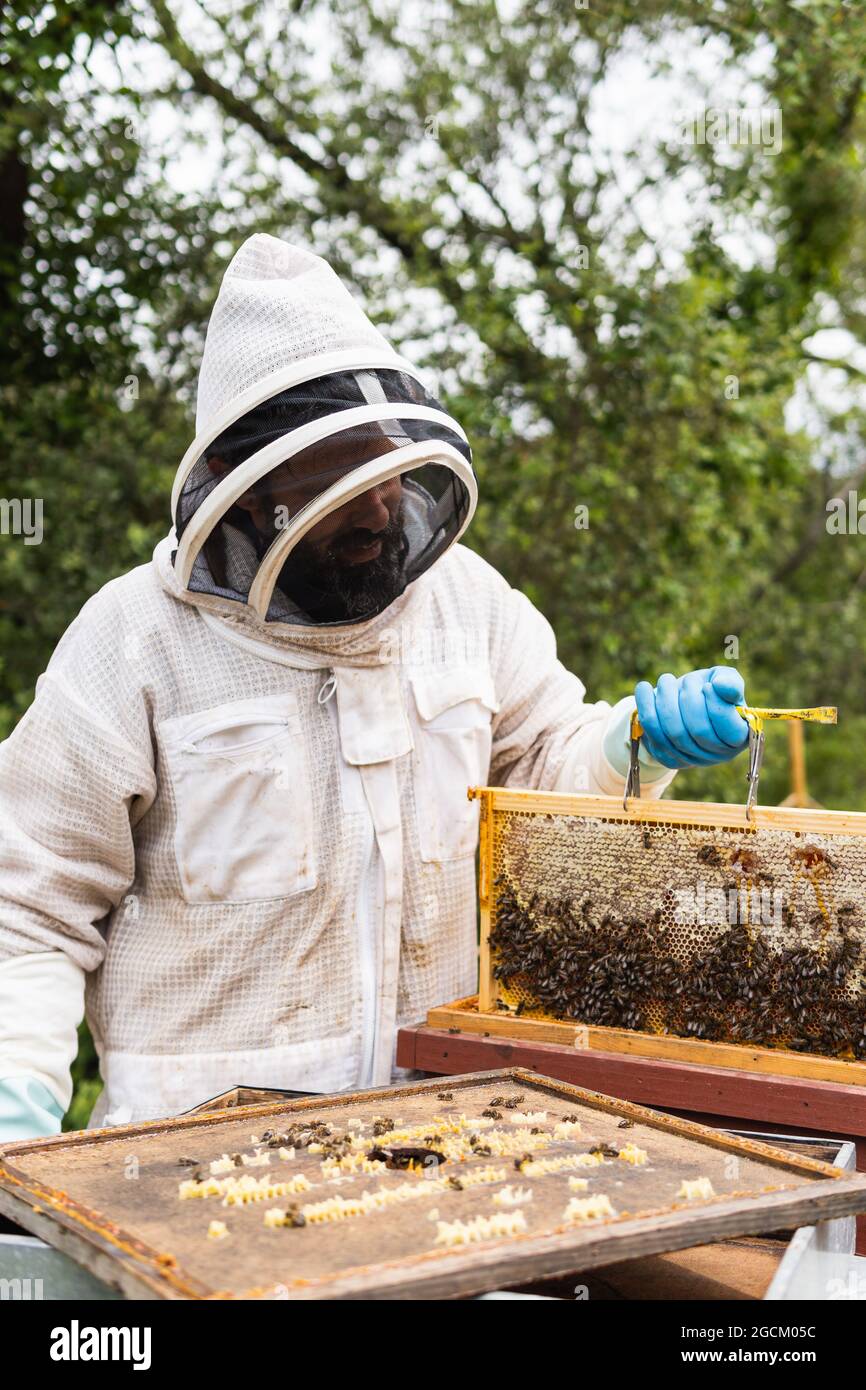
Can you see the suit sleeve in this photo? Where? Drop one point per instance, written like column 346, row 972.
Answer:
column 75, row 775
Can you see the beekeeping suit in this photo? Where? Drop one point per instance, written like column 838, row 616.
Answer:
column 235, row 816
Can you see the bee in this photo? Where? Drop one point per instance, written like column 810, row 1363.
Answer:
column 513, row 1102
column 294, row 1216
column 605, row 1150
column 492, row 1114
column 626, row 1124
column 445, row 1095
column 188, row 1162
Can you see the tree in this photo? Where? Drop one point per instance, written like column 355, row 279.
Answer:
column 93, row 249
column 446, row 161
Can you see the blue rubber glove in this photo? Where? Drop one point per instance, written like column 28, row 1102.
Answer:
column 617, row 745
column 692, row 721
column 28, row 1110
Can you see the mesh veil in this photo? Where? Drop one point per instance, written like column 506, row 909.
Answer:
column 237, row 516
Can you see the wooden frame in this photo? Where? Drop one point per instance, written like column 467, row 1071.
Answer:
column 481, row 1015
column 467, row 1016
column 119, row 1257
column 714, row 1096
column 246, row 1095
column 672, row 812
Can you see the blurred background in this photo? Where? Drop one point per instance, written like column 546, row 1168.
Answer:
column 625, row 241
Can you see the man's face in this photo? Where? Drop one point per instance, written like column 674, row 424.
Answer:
column 354, row 556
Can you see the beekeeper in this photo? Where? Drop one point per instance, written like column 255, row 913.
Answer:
column 234, row 820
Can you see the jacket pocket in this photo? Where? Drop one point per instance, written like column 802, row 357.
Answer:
column 241, row 785
column 454, row 711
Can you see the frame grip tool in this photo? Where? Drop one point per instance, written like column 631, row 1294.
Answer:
column 754, row 717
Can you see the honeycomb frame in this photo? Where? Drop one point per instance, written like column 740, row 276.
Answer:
column 790, row 882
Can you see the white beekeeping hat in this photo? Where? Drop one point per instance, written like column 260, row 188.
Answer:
column 303, row 409
column 277, row 306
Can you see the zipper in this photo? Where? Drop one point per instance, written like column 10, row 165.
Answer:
column 367, row 913
column 366, row 902
column 365, row 917
column 217, row 726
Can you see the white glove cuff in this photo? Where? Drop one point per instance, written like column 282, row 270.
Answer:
column 41, row 1006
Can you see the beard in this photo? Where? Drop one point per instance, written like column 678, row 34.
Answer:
column 330, row 589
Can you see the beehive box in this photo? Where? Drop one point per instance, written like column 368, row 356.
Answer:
column 510, row 1177
column 677, row 920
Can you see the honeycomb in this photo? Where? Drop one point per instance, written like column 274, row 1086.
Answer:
column 750, row 934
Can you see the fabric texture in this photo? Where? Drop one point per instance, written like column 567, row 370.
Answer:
column 254, row 836
column 277, row 305
column 194, row 986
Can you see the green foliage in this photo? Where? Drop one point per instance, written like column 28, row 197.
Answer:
column 104, row 508
column 452, row 165
column 86, row 1083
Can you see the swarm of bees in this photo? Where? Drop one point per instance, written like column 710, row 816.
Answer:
column 605, row 972
column 570, row 962
column 301, row 1135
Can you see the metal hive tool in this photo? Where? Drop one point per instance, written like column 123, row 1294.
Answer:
column 676, row 917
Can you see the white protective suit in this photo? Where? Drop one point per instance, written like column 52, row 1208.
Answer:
column 253, row 837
